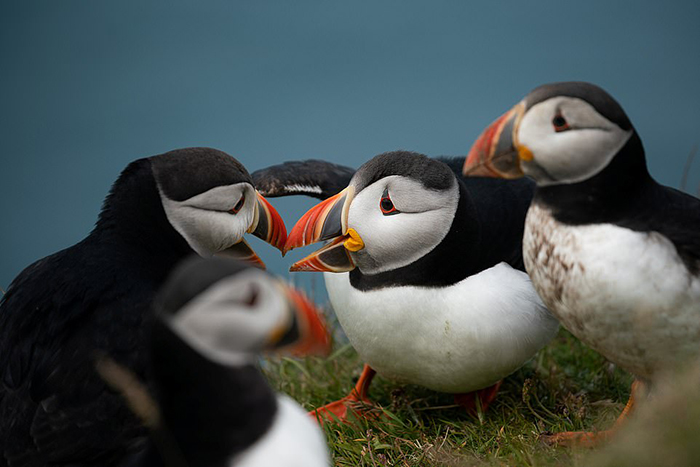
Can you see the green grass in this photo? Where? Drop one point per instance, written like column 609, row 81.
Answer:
column 565, row 387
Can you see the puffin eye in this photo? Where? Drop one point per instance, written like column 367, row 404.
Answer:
column 386, row 205
column 559, row 123
column 238, row 206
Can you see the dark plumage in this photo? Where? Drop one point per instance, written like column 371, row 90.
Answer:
column 209, row 404
column 315, row 178
column 93, row 297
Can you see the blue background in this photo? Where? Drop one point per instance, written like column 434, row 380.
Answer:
column 88, row 86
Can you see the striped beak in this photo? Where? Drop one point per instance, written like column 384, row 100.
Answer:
column 304, row 332
column 327, row 220
column 268, row 225
column 496, row 152
column 242, row 252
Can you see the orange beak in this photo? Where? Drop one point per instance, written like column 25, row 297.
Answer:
column 333, row 257
column 268, row 225
column 327, row 220
column 243, row 252
column 308, row 335
column 495, row 153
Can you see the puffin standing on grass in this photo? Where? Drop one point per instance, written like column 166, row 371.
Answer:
column 425, row 273
column 613, row 254
column 211, row 405
column 94, row 296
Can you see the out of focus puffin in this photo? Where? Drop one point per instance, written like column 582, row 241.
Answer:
column 213, row 406
column 54, row 409
column 613, row 254
column 425, row 273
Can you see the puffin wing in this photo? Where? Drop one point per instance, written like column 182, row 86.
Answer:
column 498, row 207
column 312, row 177
column 54, row 409
column 676, row 216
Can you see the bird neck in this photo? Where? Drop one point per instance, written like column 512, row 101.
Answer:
column 133, row 217
column 212, row 411
column 606, row 197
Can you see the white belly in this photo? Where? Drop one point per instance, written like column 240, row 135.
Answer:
column 455, row 339
column 294, row 440
column 626, row 294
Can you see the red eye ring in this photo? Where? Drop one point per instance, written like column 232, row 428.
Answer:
column 559, row 123
column 386, row 205
column 234, row 210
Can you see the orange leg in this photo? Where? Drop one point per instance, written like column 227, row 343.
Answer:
column 485, row 396
column 339, row 409
column 593, row 438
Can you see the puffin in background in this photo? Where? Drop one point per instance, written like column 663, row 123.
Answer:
column 95, row 296
column 312, row 177
column 613, row 254
column 211, row 405
column 425, row 274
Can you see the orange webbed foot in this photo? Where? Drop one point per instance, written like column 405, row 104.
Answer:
column 352, row 403
column 479, row 400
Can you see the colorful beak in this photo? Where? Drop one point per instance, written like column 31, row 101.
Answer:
column 495, row 152
column 243, row 252
column 268, row 225
column 327, row 220
column 306, row 332
column 333, row 257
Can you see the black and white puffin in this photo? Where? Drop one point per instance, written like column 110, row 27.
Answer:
column 425, row 273
column 210, row 404
column 94, row 296
column 613, row 254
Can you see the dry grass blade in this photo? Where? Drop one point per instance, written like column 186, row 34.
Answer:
column 688, row 165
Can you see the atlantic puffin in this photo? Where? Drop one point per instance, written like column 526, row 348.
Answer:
column 614, row 255
column 424, row 271
column 94, row 296
column 210, row 405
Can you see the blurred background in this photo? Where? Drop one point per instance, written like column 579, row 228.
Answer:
column 88, row 86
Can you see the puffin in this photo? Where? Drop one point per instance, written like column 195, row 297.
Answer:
column 614, row 255
column 95, row 295
column 210, row 405
column 424, row 271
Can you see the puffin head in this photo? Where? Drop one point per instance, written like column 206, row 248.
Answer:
column 209, row 199
column 397, row 208
column 560, row 133
column 229, row 312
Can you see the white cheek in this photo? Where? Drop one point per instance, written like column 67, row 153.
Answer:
column 574, row 155
column 578, row 155
column 210, row 231
column 219, row 326
column 207, row 232
column 397, row 240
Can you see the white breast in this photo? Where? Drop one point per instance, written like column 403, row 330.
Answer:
column 294, row 440
column 627, row 294
column 451, row 339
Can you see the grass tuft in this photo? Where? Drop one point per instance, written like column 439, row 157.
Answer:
column 565, row 387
